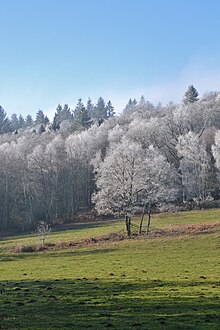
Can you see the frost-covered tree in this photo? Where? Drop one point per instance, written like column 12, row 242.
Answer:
column 14, row 122
column 56, row 119
column 99, row 111
column 82, row 119
column 29, row 121
column 80, row 148
column 21, row 121
column 46, row 161
column 50, row 175
column 194, row 166
column 62, row 114
column 142, row 101
column 159, row 181
column 110, row 111
column 145, row 132
column 5, row 125
column 130, row 178
column 216, row 150
column 89, row 107
column 130, row 105
column 191, row 95
column 40, row 117
column 118, row 181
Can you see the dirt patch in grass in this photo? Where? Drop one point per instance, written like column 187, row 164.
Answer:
column 112, row 237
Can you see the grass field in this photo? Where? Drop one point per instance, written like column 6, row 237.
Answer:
column 146, row 283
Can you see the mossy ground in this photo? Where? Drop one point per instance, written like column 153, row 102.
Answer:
column 158, row 283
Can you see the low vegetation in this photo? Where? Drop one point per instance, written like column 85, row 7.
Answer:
column 166, row 281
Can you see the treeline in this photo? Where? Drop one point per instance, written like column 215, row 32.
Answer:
column 89, row 158
column 80, row 118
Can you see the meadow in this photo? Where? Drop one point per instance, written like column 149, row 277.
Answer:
column 162, row 282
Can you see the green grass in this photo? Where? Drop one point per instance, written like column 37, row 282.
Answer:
column 81, row 231
column 160, row 283
column 179, row 218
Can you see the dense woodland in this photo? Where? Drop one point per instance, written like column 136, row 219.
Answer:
column 90, row 158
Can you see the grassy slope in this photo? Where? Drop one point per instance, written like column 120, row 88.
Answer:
column 162, row 283
column 101, row 228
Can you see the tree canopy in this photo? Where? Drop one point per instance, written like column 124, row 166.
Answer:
column 147, row 155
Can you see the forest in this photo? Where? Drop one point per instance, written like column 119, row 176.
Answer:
column 88, row 158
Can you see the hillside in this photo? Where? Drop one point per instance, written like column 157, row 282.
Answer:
column 156, row 282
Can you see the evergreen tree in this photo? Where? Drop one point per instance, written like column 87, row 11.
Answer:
column 82, row 118
column 46, row 120
column 40, row 118
column 110, row 110
column 59, row 109
column 14, row 122
column 191, row 95
column 56, row 119
column 61, row 114
column 90, row 107
column 21, row 122
column 2, row 118
column 28, row 121
column 66, row 113
column 142, row 101
column 130, row 105
column 79, row 107
column 85, row 119
column 5, row 124
column 55, row 123
column 99, row 112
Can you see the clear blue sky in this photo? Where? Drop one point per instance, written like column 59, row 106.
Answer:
column 55, row 51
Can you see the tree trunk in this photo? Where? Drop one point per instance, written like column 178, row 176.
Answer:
column 6, row 198
column 142, row 219
column 149, row 219
column 128, row 224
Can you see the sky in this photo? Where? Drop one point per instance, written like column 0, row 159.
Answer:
column 57, row 51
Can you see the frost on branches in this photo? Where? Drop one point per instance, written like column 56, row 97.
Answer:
column 194, row 165
column 131, row 177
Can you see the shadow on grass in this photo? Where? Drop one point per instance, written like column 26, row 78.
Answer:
column 99, row 304
column 87, row 225
column 62, row 228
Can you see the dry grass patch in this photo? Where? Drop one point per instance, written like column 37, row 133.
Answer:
column 180, row 230
column 171, row 231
